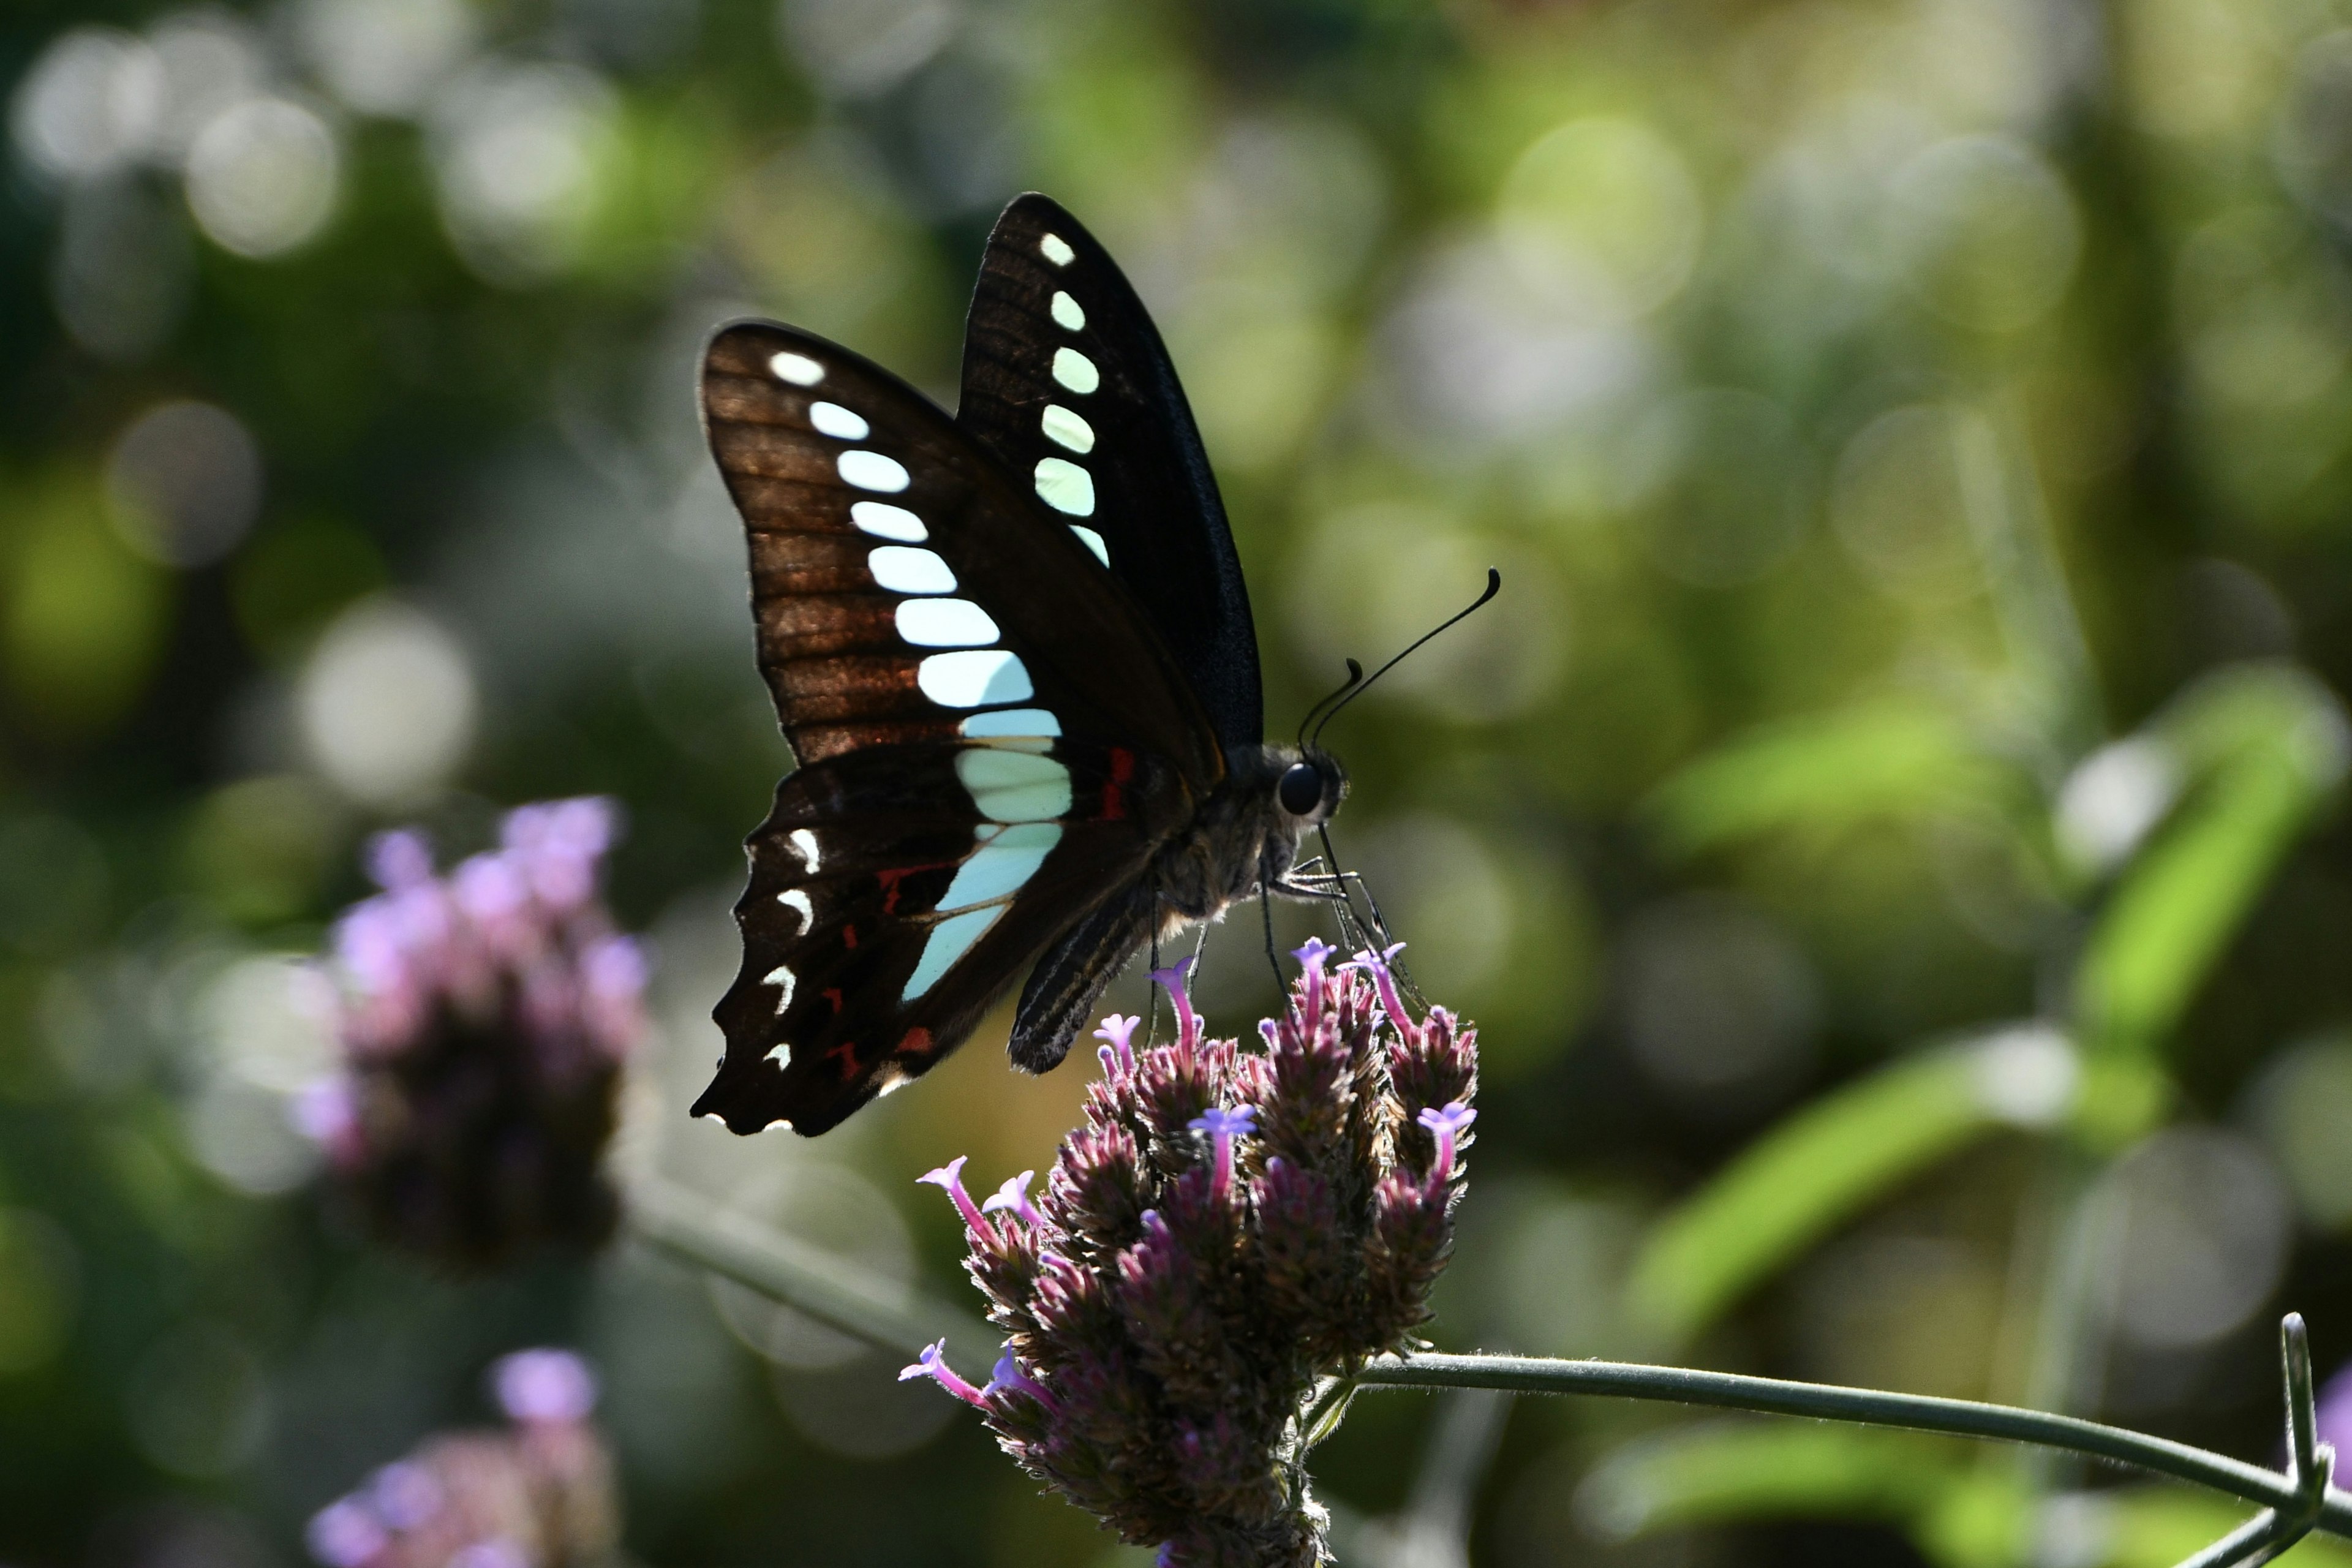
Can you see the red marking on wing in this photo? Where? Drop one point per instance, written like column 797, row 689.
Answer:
column 849, row 936
column 847, row 1052
column 895, row 875
column 1122, row 769
column 916, row 1043
column 833, row 995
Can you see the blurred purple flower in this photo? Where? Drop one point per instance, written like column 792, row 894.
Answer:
column 1226, row 1228
column 537, row 1495
column 2335, row 1411
column 483, row 1018
column 544, row 1386
column 344, row 1534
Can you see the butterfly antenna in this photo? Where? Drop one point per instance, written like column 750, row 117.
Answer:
column 1355, row 689
column 1355, row 673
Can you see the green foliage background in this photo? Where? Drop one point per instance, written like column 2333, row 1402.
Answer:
column 1886, row 830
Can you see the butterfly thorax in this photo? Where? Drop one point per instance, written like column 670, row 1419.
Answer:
column 1246, row 834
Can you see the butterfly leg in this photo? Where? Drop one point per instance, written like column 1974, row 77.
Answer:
column 1266, row 912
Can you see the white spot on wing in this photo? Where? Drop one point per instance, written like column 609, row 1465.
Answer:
column 797, row 901
column 798, row 369
column 804, row 841
column 1093, row 541
column 871, row 471
column 1066, row 487
column 903, row 569
column 784, row 980
column 945, row 622
column 883, row 520
column 1068, row 312
column 1076, row 371
column 949, row 939
column 1013, row 787
column 979, row 679
column 1065, row 427
column 832, row 419
column 1057, row 250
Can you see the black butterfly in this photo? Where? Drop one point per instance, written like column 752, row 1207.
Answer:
column 1012, row 653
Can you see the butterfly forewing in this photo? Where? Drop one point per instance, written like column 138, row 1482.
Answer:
column 992, row 739
column 1066, row 381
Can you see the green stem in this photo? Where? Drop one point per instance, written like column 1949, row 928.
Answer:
column 832, row 1289
column 1869, row 1406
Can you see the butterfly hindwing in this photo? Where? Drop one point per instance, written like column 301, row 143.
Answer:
column 991, row 741
column 1064, row 371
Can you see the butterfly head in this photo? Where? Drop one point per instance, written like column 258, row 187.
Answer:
column 1312, row 787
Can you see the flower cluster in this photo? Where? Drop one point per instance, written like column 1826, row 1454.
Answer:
column 484, row 1016
column 538, row 1495
column 1228, row 1228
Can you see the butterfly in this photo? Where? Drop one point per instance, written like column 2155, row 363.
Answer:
column 1011, row 651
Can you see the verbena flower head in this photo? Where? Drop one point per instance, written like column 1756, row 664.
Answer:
column 538, row 1495
column 484, row 1016
column 1227, row 1227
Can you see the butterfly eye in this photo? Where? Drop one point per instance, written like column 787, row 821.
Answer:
column 1301, row 789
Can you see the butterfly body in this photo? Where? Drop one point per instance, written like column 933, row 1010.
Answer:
column 1014, row 657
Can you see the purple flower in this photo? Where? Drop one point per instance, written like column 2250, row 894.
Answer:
column 1015, row 1195
column 544, row 1386
column 1448, row 1125
column 1226, row 1228
column 949, row 1178
column 1223, row 1127
column 483, row 1016
column 405, row 1494
column 1172, row 980
column 1378, row 966
column 344, row 1534
column 539, row 1492
column 399, row 859
column 496, row 1553
column 933, row 1363
column 1117, row 1036
column 2335, row 1411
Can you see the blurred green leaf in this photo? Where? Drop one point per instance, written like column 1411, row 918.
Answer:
column 1826, row 772
column 1821, row 1165
column 1718, row 1471
column 1959, row 1515
column 2269, row 745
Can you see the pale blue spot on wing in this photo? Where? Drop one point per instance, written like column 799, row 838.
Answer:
column 904, row 569
column 945, row 622
column 1076, row 371
column 871, row 471
column 781, row 978
column 1068, row 312
column 1002, row 865
column 797, row 901
column 1027, row 723
column 832, row 419
column 1093, row 541
column 883, row 520
column 979, row 679
column 1057, row 250
column 1014, row 787
column 949, row 939
column 1065, row 428
column 1066, row 487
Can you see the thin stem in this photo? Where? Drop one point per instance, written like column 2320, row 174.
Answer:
column 830, row 1289
column 1957, row 1417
